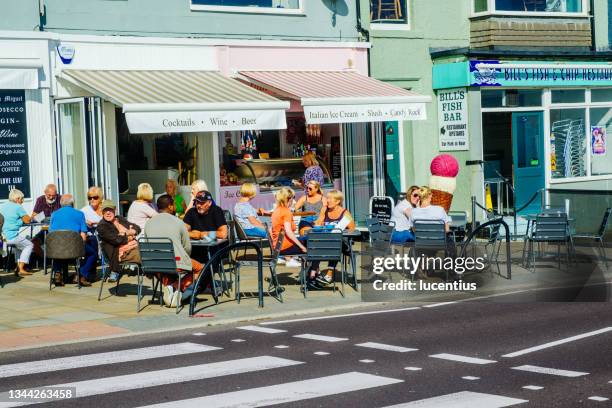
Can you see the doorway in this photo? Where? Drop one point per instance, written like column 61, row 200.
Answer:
column 513, row 149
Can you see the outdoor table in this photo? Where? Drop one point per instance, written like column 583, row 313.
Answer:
column 304, row 213
column 208, row 245
column 44, row 227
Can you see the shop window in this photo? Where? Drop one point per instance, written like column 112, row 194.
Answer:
column 511, row 98
column 262, row 6
column 601, row 95
column 389, row 11
column 567, row 96
column 528, row 6
column 600, row 131
column 568, row 143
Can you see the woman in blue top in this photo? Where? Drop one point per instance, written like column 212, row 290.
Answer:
column 246, row 215
column 14, row 217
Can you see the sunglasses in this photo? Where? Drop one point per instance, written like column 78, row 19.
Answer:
column 415, row 195
column 310, row 188
column 93, row 198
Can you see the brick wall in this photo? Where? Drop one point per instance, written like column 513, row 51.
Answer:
column 529, row 32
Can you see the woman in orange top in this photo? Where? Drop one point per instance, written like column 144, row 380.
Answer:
column 282, row 219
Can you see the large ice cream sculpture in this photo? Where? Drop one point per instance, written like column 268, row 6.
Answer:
column 443, row 181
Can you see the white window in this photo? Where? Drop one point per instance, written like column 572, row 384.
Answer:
column 250, row 6
column 389, row 14
column 530, row 7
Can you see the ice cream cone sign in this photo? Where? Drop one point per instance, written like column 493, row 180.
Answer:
column 443, row 181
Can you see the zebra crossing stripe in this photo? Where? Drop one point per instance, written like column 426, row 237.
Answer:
column 386, row 347
column 92, row 360
column 285, row 393
column 318, row 337
column 260, row 329
column 463, row 399
column 551, row 371
column 463, row 359
column 108, row 385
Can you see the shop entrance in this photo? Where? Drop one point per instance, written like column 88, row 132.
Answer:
column 513, row 149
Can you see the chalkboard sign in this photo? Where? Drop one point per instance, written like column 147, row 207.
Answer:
column 336, row 158
column 381, row 207
column 14, row 168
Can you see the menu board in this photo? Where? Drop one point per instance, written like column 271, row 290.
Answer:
column 336, row 158
column 381, row 208
column 14, row 168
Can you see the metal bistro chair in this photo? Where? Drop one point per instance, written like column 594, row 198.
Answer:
column 104, row 263
column 430, row 236
column 494, row 243
column 323, row 246
column 251, row 259
column 458, row 224
column 157, row 256
column 599, row 237
column 380, row 238
column 551, row 229
column 65, row 246
column 9, row 248
column 241, row 236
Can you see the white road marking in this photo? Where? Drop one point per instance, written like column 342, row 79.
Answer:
column 92, row 360
column 307, row 319
column 551, row 371
column 412, row 368
column 440, row 304
column 558, row 342
column 238, row 341
column 321, row 353
column 386, row 347
column 107, row 385
column 462, row 359
column 328, row 339
column 199, row 334
column 260, row 329
column 599, row 399
column 285, row 393
column 281, row 346
column 470, row 378
column 366, row 361
column 533, row 387
column 463, row 399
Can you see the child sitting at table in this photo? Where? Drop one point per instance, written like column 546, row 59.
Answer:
column 246, row 215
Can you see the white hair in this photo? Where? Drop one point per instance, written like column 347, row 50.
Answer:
column 199, row 185
column 15, row 195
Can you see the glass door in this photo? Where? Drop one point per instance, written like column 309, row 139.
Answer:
column 80, row 147
column 528, row 158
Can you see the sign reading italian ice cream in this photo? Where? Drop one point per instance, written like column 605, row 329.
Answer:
column 453, row 119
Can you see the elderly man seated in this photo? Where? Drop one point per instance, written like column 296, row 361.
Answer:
column 47, row 203
column 167, row 225
column 68, row 218
column 205, row 220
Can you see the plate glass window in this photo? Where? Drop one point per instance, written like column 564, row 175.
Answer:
column 389, row 11
column 541, row 6
column 277, row 4
column 568, row 143
column 600, row 131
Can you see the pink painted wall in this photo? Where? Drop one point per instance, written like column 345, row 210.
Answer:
column 236, row 58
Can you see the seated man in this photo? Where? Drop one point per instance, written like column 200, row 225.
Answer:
column 47, row 203
column 68, row 218
column 167, row 225
column 205, row 219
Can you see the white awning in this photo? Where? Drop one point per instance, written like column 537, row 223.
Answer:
column 342, row 96
column 183, row 101
column 19, row 73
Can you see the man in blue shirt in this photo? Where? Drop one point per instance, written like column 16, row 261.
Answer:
column 68, row 218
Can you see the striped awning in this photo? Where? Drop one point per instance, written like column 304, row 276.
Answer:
column 182, row 101
column 341, row 96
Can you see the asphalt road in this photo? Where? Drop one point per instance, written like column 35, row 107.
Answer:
column 464, row 354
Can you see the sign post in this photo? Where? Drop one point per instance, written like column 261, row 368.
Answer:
column 14, row 166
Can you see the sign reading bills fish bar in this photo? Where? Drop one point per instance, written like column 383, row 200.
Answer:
column 14, row 167
column 322, row 114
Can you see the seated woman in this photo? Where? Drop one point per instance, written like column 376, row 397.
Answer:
column 14, row 217
column 312, row 201
column 340, row 218
column 401, row 217
column 282, row 219
column 246, row 215
column 118, row 237
column 142, row 209
column 93, row 215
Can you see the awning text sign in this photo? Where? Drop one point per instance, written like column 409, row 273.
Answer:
column 323, row 114
column 453, row 119
column 205, row 121
column 496, row 73
column 14, row 166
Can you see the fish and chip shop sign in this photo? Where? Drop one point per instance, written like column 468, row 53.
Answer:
column 453, row 120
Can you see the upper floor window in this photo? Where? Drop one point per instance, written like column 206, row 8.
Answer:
column 389, row 12
column 540, row 7
column 250, row 6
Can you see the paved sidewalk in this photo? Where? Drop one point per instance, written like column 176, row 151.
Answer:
column 31, row 315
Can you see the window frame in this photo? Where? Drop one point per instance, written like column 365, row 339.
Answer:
column 492, row 11
column 249, row 10
column 376, row 26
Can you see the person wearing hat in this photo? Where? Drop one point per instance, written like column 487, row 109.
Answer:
column 205, row 219
column 118, row 237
